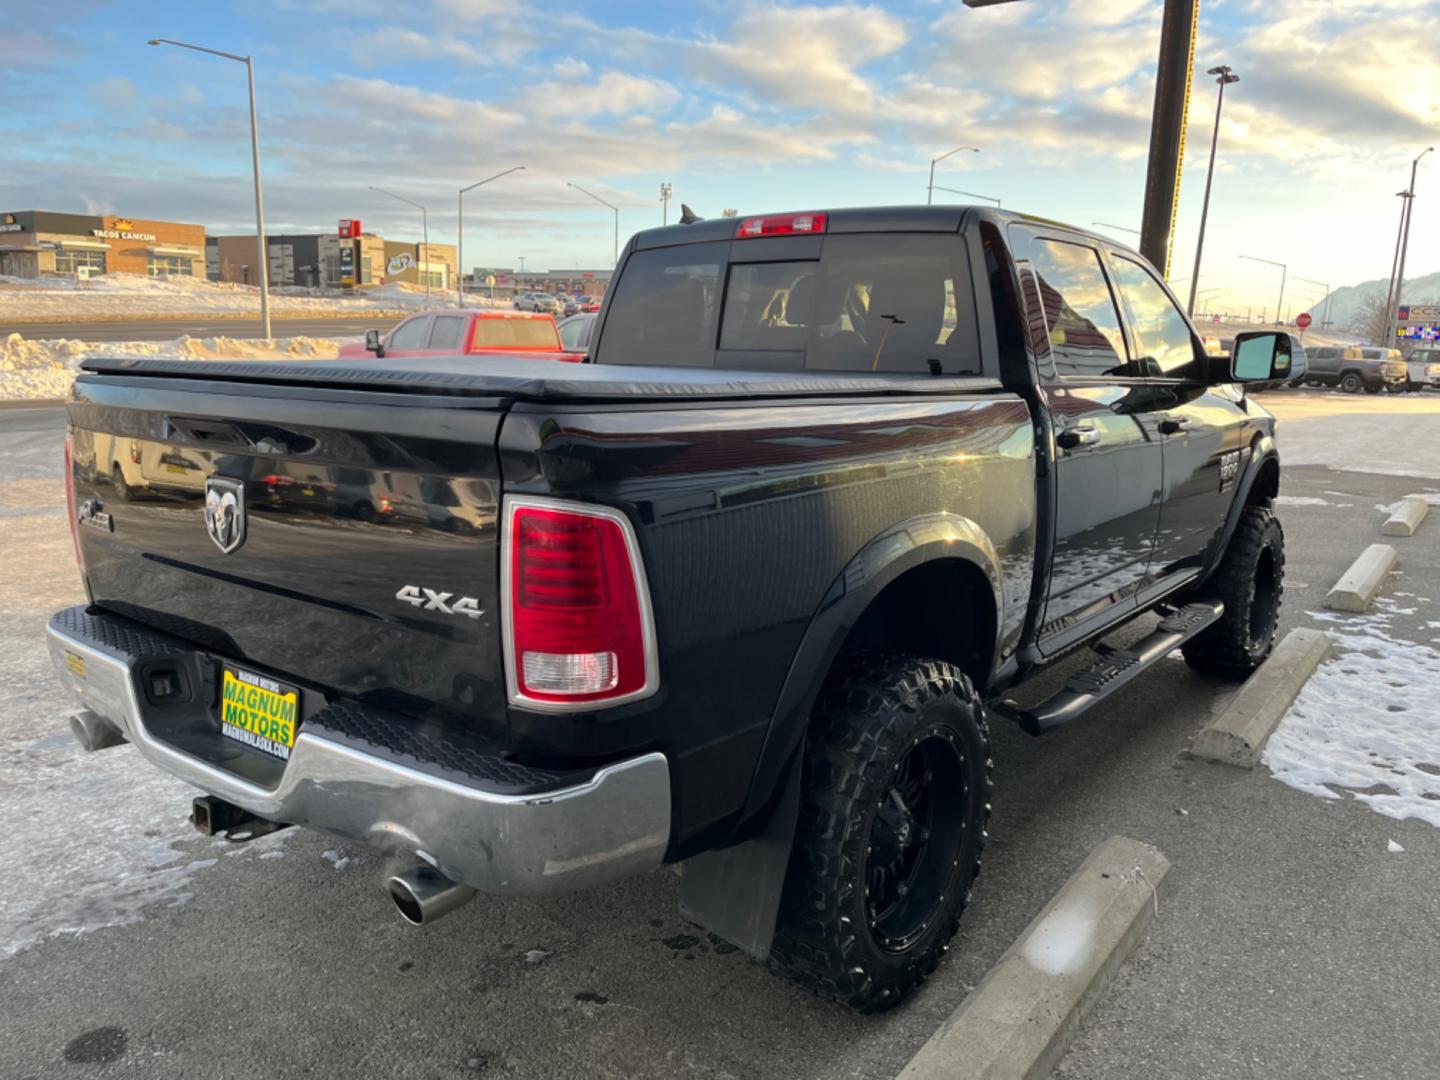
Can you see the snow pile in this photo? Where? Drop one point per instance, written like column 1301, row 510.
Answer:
column 1367, row 723
column 130, row 296
column 31, row 369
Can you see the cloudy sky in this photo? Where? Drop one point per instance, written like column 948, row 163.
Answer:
column 757, row 106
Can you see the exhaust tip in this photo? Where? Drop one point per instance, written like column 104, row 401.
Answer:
column 406, row 902
column 423, row 894
column 93, row 732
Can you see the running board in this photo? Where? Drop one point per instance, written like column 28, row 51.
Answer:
column 1114, row 668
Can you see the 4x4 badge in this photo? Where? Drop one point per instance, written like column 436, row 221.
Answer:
column 225, row 512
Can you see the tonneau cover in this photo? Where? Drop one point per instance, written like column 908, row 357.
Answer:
column 544, row 379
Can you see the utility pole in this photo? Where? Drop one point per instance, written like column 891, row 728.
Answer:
column 665, row 191
column 1325, row 311
column 1280, row 303
column 1224, row 77
column 1167, row 131
column 1393, row 325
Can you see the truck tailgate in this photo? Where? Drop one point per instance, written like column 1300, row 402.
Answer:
column 367, row 563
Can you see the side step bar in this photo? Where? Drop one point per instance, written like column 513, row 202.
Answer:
column 1114, row 668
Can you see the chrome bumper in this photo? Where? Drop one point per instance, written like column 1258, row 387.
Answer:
column 614, row 825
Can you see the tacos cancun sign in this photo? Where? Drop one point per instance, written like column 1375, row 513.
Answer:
column 123, row 230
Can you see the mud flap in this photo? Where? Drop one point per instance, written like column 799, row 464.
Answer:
column 735, row 892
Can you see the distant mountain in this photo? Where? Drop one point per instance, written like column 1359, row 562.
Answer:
column 1345, row 302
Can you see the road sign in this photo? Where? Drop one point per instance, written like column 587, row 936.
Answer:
column 1303, row 320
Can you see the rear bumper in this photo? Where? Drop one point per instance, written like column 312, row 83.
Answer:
column 614, row 824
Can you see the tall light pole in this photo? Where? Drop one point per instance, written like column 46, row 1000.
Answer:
column 1393, row 326
column 1224, row 77
column 425, row 233
column 255, row 162
column 1280, row 303
column 460, row 230
column 930, row 187
column 1325, row 311
column 602, row 202
column 665, row 192
column 967, row 194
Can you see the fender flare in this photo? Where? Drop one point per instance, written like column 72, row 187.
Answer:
column 916, row 542
column 735, row 891
column 1262, row 452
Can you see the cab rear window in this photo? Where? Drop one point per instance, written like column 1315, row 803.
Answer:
column 515, row 334
column 872, row 302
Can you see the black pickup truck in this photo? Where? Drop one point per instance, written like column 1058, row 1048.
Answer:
column 741, row 592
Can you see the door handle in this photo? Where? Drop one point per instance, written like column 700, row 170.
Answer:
column 1173, row 425
column 1079, row 435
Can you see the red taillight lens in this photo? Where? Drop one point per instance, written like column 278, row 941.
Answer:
column 779, row 225
column 70, row 498
column 578, row 622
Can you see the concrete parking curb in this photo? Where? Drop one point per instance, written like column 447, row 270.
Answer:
column 1022, row 1017
column 1238, row 734
column 1358, row 585
column 1406, row 518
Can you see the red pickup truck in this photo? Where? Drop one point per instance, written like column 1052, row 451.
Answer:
column 448, row 332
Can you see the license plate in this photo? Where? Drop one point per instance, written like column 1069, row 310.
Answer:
column 258, row 711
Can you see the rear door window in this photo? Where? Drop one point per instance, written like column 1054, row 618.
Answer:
column 447, row 332
column 411, row 334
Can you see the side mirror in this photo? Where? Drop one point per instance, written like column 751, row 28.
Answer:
column 373, row 343
column 1262, row 356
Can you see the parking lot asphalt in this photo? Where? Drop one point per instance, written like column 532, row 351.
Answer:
column 1294, row 942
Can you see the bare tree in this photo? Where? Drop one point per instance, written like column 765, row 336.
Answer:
column 1371, row 320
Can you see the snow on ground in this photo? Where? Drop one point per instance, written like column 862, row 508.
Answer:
column 31, row 370
column 1367, row 724
column 131, row 296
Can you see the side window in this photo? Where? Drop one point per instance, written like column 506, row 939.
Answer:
column 447, row 332
column 1163, row 338
column 573, row 333
column 1080, row 313
column 894, row 302
column 411, row 334
column 664, row 309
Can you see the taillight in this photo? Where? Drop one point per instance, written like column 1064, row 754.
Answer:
column 70, row 498
column 779, row 225
column 578, row 626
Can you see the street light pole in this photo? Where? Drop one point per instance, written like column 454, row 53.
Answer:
column 1280, row 303
column 460, row 231
column 425, row 234
column 930, row 187
column 665, row 192
column 1393, row 324
column 602, row 202
column 255, row 163
column 1224, row 77
column 1325, row 311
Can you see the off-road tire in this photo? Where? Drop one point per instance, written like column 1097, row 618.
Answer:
column 866, row 724
column 1251, row 581
column 1351, row 383
column 1372, row 388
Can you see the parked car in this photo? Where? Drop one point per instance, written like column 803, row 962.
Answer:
column 575, row 333
column 570, row 306
column 541, row 302
column 1422, row 369
column 589, row 304
column 744, row 593
column 1356, row 367
column 452, row 332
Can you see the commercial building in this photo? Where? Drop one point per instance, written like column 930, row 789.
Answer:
column 508, row 281
column 38, row 242
column 316, row 259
